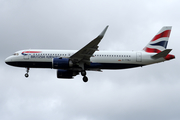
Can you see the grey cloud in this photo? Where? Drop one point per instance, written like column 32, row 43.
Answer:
column 150, row 92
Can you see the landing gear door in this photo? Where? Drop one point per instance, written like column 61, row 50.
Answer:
column 139, row 57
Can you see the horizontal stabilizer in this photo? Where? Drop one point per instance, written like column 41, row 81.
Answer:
column 162, row 54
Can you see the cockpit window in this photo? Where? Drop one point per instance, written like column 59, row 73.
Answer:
column 16, row 54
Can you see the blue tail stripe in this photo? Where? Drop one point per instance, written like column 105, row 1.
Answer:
column 161, row 43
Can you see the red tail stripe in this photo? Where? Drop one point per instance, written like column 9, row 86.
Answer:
column 163, row 34
column 151, row 50
column 169, row 56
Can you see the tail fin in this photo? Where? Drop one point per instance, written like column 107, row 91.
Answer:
column 160, row 41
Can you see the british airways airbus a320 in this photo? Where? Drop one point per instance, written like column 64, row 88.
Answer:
column 70, row 63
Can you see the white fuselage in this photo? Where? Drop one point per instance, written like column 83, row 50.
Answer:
column 114, row 59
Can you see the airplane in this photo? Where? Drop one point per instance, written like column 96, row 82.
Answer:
column 70, row 63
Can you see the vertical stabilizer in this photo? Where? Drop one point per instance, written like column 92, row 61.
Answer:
column 160, row 41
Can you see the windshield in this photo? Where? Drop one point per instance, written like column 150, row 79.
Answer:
column 16, row 54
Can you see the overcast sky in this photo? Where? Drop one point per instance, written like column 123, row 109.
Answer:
column 147, row 93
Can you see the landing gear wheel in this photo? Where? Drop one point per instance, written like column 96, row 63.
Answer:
column 83, row 73
column 26, row 75
column 85, row 79
column 27, row 70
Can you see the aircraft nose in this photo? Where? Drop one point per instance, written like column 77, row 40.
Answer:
column 8, row 60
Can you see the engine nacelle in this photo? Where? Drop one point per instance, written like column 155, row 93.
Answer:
column 61, row 63
column 65, row 73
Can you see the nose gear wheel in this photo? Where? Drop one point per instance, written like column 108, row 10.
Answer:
column 27, row 75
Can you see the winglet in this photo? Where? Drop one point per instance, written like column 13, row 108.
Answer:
column 103, row 32
column 162, row 54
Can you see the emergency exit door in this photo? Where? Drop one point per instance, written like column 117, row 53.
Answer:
column 139, row 57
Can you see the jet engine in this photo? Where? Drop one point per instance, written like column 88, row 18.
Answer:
column 61, row 63
column 66, row 73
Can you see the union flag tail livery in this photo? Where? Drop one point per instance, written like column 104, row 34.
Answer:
column 160, row 41
column 70, row 63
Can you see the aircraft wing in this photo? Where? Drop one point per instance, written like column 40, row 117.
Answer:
column 84, row 54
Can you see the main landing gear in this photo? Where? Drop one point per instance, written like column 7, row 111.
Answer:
column 27, row 75
column 83, row 73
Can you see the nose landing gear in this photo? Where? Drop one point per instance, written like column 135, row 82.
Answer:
column 27, row 75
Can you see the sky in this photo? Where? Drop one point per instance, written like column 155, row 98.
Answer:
column 150, row 92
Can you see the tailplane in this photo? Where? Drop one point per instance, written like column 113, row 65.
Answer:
column 160, row 41
column 161, row 54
